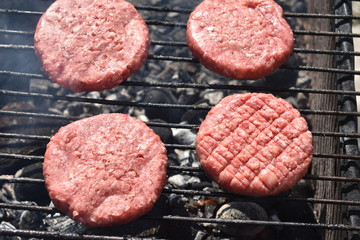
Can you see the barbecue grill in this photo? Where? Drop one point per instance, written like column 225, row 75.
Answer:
column 173, row 87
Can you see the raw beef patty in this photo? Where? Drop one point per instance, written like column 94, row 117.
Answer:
column 242, row 39
column 91, row 45
column 105, row 170
column 254, row 144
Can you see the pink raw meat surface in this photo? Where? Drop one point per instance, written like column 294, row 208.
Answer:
column 254, row 144
column 105, row 170
column 241, row 39
column 91, row 45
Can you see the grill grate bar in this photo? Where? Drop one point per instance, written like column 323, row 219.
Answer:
column 21, row 74
column 309, row 200
column 319, row 15
column 309, row 177
column 165, row 23
column 188, row 11
column 34, row 233
column 267, row 223
column 320, row 69
column 336, row 156
column 194, row 192
column 21, row 156
column 16, row 47
column 331, row 178
column 28, row 207
column 325, row 33
column 184, row 44
column 58, row 235
column 179, row 85
column 335, row 134
column 42, row 234
column 193, row 60
column 7, row 31
column 142, row 104
column 12, row 179
column 169, row 43
column 236, row 87
column 176, row 168
column 47, row 138
column 329, row 52
column 172, row 58
column 16, row 11
column 160, row 105
column 183, row 25
column 25, row 136
column 69, row 118
column 9, row 178
column 190, row 59
column 234, row 196
column 189, row 147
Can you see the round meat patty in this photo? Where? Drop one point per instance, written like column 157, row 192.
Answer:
column 105, row 170
column 91, row 45
column 254, row 144
column 241, row 39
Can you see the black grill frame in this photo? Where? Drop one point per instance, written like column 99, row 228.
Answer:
column 343, row 13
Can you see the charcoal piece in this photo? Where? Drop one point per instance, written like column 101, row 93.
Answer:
column 184, row 136
column 196, row 116
column 74, row 109
column 2, row 214
column 177, row 206
column 213, row 96
column 174, row 199
column 63, row 224
column 31, row 220
column 206, row 207
column 8, row 226
column 200, row 186
column 172, row 159
column 300, row 212
column 164, row 133
column 241, row 211
column 200, row 236
column 25, row 191
column 187, row 158
column 182, row 180
column 156, row 95
column 121, row 95
column 7, row 193
column 139, row 228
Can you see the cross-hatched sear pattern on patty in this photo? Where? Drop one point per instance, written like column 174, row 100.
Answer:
column 254, row 144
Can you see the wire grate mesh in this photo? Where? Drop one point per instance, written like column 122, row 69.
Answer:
column 17, row 41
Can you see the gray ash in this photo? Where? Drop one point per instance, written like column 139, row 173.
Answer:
column 242, row 211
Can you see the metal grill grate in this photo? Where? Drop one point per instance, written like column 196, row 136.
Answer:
column 39, row 139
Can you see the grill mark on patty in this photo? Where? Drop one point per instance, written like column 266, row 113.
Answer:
column 282, row 135
column 240, row 122
column 209, row 135
column 258, row 151
column 274, row 157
